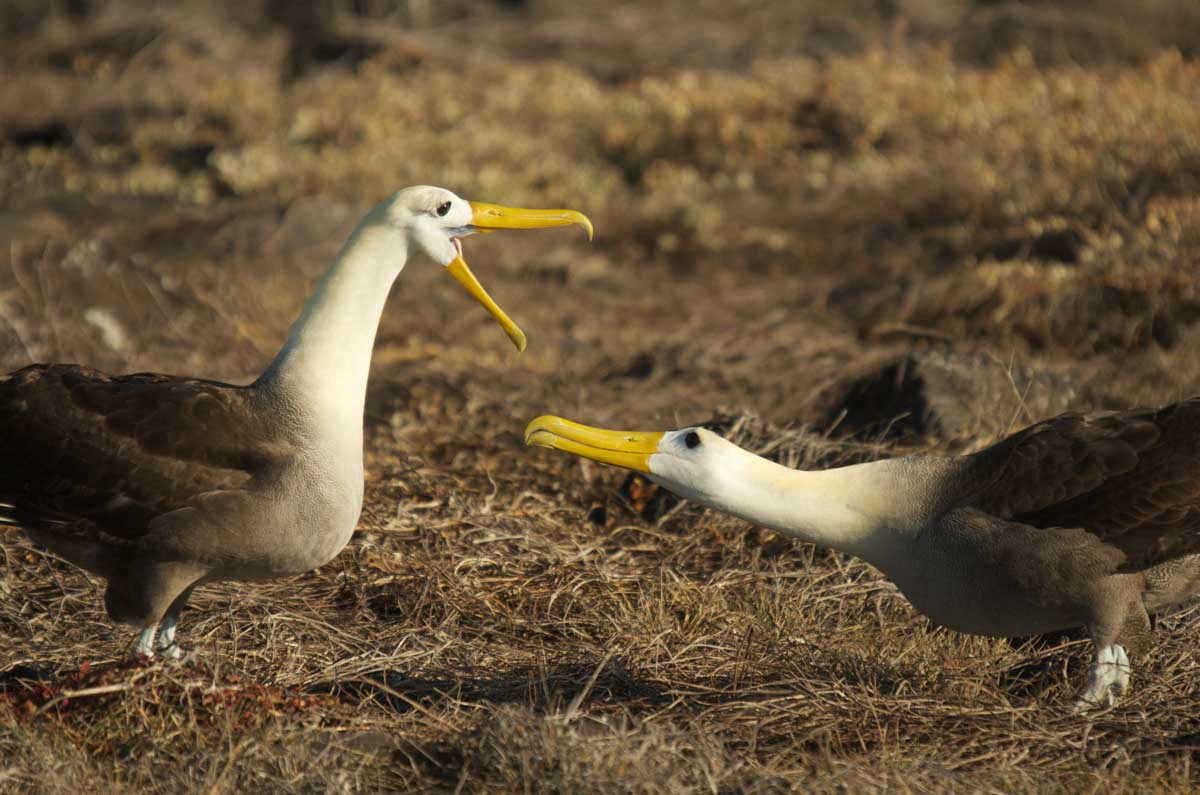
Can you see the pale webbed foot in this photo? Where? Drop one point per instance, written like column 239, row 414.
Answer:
column 164, row 646
column 144, row 647
column 1108, row 680
column 172, row 653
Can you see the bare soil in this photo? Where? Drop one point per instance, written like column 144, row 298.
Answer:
column 836, row 233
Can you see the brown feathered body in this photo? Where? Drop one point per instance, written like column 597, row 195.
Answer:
column 1075, row 521
column 159, row 483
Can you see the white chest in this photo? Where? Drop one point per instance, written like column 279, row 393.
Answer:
column 297, row 522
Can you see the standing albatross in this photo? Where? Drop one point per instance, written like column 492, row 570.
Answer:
column 160, row 483
column 1076, row 521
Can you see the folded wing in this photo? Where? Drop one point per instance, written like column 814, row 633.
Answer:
column 1131, row 478
column 85, row 454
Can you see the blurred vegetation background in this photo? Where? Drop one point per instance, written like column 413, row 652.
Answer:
column 1031, row 163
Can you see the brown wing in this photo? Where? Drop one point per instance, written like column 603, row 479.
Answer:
column 1130, row 478
column 82, row 451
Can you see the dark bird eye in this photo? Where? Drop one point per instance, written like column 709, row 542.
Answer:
column 692, row 439
column 443, row 208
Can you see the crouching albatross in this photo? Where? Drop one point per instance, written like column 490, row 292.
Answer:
column 1089, row 521
column 160, row 483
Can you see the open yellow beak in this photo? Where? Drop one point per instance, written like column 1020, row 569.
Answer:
column 490, row 217
column 628, row 449
column 459, row 270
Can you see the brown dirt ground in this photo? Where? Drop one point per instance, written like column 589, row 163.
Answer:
column 901, row 226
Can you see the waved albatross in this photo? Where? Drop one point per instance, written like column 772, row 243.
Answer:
column 160, row 483
column 1089, row 521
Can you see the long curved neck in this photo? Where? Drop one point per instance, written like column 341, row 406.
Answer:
column 869, row 510
column 322, row 369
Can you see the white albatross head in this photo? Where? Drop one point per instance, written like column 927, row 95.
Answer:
column 434, row 219
column 694, row 463
column 850, row 508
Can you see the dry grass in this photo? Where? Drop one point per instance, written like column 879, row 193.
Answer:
column 916, row 242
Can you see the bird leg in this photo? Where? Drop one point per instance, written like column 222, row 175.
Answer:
column 145, row 643
column 1120, row 630
column 1108, row 680
column 153, row 601
column 166, row 646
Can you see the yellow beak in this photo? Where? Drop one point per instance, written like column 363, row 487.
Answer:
column 490, row 217
column 459, row 270
column 628, row 449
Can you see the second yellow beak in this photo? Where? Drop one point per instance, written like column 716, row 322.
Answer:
column 628, row 449
column 490, row 217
